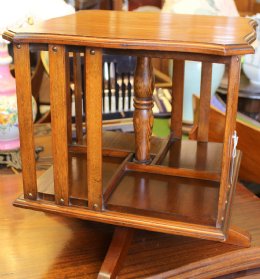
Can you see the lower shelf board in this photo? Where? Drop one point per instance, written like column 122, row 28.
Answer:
column 172, row 198
column 168, row 197
column 78, row 178
column 149, row 197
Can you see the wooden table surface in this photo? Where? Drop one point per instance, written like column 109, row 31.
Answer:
column 148, row 31
column 38, row 245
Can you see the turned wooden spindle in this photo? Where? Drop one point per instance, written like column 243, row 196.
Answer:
column 143, row 103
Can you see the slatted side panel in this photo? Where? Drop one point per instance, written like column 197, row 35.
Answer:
column 232, row 99
column 205, row 94
column 93, row 64
column 59, row 68
column 177, row 98
column 24, row 102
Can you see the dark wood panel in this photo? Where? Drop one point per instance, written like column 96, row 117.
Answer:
column 174, row 198
column 77, row 168
column 194, row 155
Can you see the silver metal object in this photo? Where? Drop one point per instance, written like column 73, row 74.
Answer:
column 112, row 71
column 106, row 88
column 233, row 156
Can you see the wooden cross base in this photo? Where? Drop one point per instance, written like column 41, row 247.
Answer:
column 123, row 237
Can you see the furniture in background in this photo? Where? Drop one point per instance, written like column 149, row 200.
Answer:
column 248, row 143
column 248, row 96
column 247, row 7
column 134, row 180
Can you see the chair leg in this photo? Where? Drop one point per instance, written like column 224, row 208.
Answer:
column 116, row 253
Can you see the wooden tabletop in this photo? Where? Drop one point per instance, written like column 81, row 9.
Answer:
column 39, row 245
column 149, row 31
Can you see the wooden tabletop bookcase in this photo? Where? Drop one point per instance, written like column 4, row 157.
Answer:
column 137, row 181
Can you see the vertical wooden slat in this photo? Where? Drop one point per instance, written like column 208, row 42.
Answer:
column 24, row 102
column 175, row 154
column 201, row 156
column 232, row 99
column 59, row 119
column 177, row 98
column 205, row 93
column 93, row 63
column 78, row 95
column 117, row 5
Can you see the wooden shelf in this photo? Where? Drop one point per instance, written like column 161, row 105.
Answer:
column 190, row 154
column 174, row 191
column 78, row 185
column 174, row 198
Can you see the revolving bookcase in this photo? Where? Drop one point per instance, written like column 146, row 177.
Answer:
column 136, row 181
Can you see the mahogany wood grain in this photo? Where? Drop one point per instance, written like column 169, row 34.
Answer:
column 82, row 149
column 235, row 236
column 193, row 155
column 24, row 103
column 205, row 94
column 78, row 195
column 78, row 95
column 180, row 172
column 232, row 99
column 116, row 177
column 204, row 34
column 162, row 152
column 59, row 97
column 202, row 153
column 93, row 78
column 171, row 55
column 116, row 254
column 157, row 195
column 117, row 144
column 177, row 98
column 143, row 103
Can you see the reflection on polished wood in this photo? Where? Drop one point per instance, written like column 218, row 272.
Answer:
column 39, row 245
column 203, row 34
column 166, row 197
